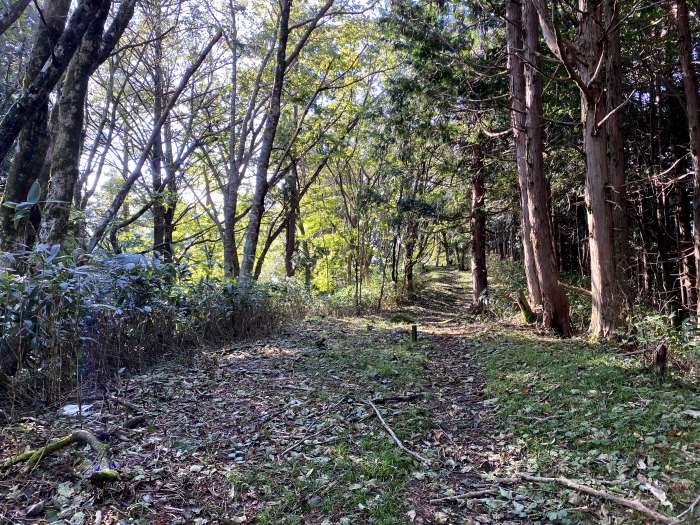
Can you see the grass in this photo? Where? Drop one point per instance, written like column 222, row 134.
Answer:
column 585, row 413
column 360, row 476
column 355, row 480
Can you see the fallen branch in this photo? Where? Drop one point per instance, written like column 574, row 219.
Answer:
column 625, row 502
column 128, row 404
column 394, row 436
column 689, row 512
column 576, row 289
column 82, row 437
column 295, row 445
column 397, row 398
column 466, row 495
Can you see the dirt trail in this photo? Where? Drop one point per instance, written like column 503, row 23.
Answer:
column 278, row 430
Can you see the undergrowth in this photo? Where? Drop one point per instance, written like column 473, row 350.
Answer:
column 63, row 322
column 644, row 328
column 586, row 413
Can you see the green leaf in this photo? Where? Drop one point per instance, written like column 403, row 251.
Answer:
column 34, row 193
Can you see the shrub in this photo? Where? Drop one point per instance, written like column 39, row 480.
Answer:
column 63, row 322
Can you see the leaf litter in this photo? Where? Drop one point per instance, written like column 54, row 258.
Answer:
column 282, row 430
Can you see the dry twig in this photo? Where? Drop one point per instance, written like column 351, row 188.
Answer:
column 393, row 435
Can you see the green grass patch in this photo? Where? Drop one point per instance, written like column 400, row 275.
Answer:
column 361, row 475
column 586, row 413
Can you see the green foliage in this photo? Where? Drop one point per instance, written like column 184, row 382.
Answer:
column 60, row 318
column 346, row 301
column 507, row 277
column 647, row 330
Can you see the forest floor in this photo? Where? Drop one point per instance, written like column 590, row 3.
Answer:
column 284, row 430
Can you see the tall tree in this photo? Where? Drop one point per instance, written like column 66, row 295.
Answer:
column 555, row 307
column 616, row 147
column 514, row 35
column 271, row 121
column 33, row 140
column 283, row 61
column 584, row 61
column 96, row 46
column 680, row 12
column 478, row 229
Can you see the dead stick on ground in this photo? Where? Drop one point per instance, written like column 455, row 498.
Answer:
column 689, row 512
column 625, row 502
column 128, row 404
column 466, row 495
column 394, row 437
column 34, row 456
column 398, row 398
column 295, row 445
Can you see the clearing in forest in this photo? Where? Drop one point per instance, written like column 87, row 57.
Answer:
column 349, row 421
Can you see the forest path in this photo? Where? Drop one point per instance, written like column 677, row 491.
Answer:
column 280, row 430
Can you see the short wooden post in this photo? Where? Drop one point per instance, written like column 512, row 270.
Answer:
column 414, row 333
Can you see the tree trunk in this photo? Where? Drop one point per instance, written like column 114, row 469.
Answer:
column 271, row 121
column 478, row 226
column 514, row 33
column 555, row 307
column 604, row 315
column 11, row 14
column 680, row 11
column 583, row 61
column 169, row 200
column 33, row 139
column 616, row 150
column 409, row 264
column 68, row 135
column 156, row 161
column 292, row 194
column 685, row 248
column 38, row 86
column 231, row 263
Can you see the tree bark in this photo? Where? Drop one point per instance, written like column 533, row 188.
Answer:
column 685, row 249
column 11, row 14
column 409, row 260
column 271, row 121
column 616, row 149
column 555, row 307
column 292, row 194
column 231, row 263
column 478, row 226
column 156, row 161
column 582, row 62
column 38, row 87
column 67, row 145
column 33, row 139
column 680, row 12
column 514, row 35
